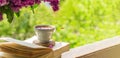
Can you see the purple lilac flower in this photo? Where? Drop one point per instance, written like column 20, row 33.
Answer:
column 3, row 2
column 55, row 8
column 54, row 4
column 27, row 2
column 1, row 16
column 37, row 1
column 15, row 8
column 16, row 5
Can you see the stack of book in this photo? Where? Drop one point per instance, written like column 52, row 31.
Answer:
column 25, row 50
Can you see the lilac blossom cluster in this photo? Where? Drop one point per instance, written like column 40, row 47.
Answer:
column 16, row 5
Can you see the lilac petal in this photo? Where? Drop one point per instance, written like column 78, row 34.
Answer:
column 3, row 2
column 50, row 46
column 37, row 1
column 55, row 8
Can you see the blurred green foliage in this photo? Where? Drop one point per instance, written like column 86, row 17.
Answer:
column 78, row 22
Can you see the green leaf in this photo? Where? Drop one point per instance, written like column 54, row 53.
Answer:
column 33, row 7
column 10, row 14
column 18, row 14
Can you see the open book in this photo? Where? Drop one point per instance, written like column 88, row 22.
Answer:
column 23, row 49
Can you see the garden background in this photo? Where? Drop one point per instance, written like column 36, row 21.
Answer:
column 78, row 22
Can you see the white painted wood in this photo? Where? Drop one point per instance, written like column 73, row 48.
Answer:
column 108, row 48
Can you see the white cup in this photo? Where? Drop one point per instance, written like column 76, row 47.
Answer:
column 44, row 32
